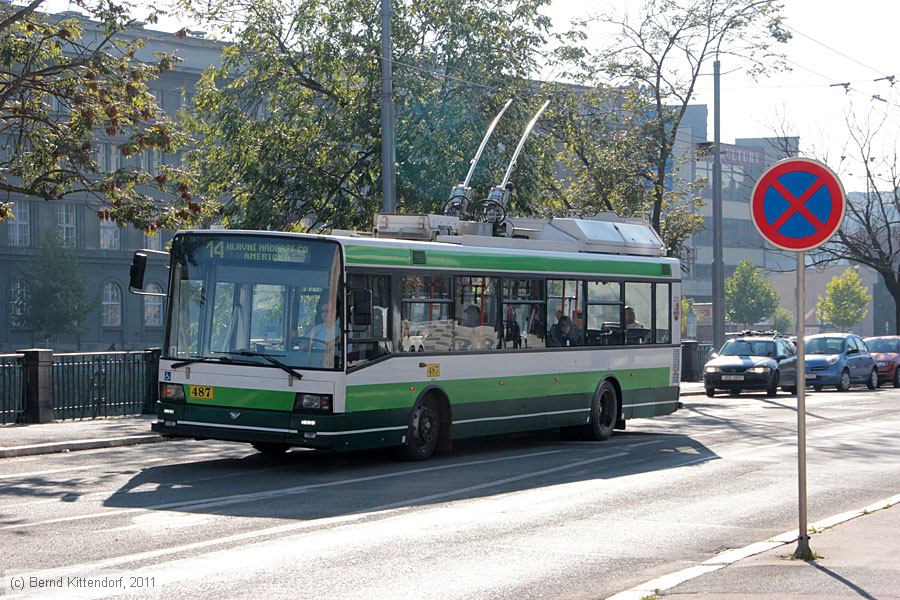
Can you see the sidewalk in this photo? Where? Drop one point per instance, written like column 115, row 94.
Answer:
column 86, row 434
column 859, row 558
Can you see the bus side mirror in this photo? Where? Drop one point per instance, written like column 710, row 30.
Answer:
column 361, row 304
column 136, row 275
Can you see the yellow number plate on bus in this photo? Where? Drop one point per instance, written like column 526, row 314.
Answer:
column 432, row 370
column 201, row 392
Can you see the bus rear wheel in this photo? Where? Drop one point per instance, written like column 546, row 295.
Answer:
column 424, row 430
column 271, row 448
column 604, row 410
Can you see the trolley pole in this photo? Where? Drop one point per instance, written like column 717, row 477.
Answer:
column 803, row 552
column 388, row 173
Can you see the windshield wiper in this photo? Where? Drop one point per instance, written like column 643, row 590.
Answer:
column 270, row 358
column 186, row 362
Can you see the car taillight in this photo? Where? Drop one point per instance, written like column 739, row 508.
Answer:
column 172, row 392
column 312, row 401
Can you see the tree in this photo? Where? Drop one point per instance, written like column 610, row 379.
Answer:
column 289, row 123
column 870, row 233
column 783, row 321
column 56, row 301
column 749, row 297
column 663, row 48
column 845, row 300
column 66, row 83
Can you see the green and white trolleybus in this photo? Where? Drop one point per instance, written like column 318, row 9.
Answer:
column 428, row 330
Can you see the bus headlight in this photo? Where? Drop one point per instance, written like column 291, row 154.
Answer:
column 312, row 402
column 171, row 392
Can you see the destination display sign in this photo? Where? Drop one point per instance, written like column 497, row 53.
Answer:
column 262, row 250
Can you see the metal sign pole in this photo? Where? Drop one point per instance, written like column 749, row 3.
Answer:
column 803, row 552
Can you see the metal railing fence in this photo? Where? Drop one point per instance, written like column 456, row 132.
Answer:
column 12, row 388
column 102, row 384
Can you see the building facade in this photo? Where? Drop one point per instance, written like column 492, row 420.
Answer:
column 103, row 250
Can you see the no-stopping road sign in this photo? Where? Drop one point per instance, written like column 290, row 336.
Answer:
column 798, row 204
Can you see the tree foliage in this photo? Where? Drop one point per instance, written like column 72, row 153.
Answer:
column 783, row 321
column 845, row 301
column 67, row 83
column 749, row 297
column 289, row 123
column 53, row 274
column 664, row 47
column 870, row 233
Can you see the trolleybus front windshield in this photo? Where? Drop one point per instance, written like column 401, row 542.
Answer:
column 250, row 298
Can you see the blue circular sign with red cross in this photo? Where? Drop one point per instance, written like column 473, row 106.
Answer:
column 798, row 204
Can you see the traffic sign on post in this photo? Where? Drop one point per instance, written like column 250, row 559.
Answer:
column 797, row 205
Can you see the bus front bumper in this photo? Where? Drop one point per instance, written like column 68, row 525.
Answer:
column 309, row 430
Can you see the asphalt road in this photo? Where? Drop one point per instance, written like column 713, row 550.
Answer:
column 528, row 516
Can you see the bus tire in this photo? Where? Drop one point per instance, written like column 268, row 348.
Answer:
column 271, row 448
column 604, row 412
column 424, row 430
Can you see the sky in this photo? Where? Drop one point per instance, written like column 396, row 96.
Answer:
column 834, row 42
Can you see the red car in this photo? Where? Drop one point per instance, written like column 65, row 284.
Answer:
column 886, row 352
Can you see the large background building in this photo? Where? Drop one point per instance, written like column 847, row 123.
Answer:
column 103, row 249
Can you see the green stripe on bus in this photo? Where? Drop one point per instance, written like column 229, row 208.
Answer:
column 464, row 391
column 246, row 398
column 442, row 259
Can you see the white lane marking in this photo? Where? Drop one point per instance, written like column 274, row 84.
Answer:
column 221, row 501
column 149, row 461
column 41, row 473
column 729, row 557
column 295, row 527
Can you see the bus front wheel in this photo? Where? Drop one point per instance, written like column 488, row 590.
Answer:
column 424, row 430
column 604, row 409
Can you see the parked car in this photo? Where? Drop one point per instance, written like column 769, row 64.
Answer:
column 752, row 361
column 839, row 359
column 886, row 352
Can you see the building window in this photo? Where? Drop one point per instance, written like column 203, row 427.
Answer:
column 109, row 233
column 20, row 224
column 65, row 221
column 18, row 297
column 153, row 307
column 112, row 305
column 152, row 240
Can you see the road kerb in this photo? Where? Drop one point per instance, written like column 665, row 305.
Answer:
column 72, row 445
column 666, row 582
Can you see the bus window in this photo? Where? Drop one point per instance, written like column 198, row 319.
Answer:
column 604, row 314
column 425, row 324
column 523, row 312
column 476, row 314
column 636, row 316
column 565, row 313
column 663, row 308
column 372, row 341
